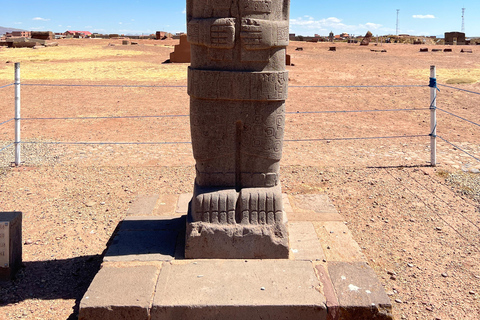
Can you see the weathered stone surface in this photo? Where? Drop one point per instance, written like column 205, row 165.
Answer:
column 146, row 238
column 10, row 244
column 366, row 40
column 452, row 38
column 143, row 205
column 329, row 293
column 120, row 293
column 183, row 202
column 313, row 207
column 360, row 294
column 210, row 289
column 181, row 53
column 304, row 242
column 337, row 242
column 237, row 85
column 166, row 205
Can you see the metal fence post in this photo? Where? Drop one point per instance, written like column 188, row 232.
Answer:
column 433, row 115
column 17, row 114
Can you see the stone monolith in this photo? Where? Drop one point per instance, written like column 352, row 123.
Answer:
column 237, row 84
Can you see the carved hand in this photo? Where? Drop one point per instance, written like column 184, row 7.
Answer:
column 215, row 33
column 259, row 34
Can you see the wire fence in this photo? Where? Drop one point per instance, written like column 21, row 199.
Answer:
column 432, row 133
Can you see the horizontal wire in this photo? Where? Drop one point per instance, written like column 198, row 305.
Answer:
column 365, row 138
column 397, row 86
column 354, row 111
column 102, row 143
column 458, row 117
column 113, row 117
column 459, row 148
column 186, row 115
column 469, row 91
column 189, row 142
column 11, row 144
column 184, row 86
column 7, row 85
column 7, row 121
column 98, row 85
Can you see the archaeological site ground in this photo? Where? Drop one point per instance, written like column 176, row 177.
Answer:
column 104, row 124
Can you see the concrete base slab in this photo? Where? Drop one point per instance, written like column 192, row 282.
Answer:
column 238, row 289
column 147, row 238
column 326, row 276
column 120, row 293
column 360, row 295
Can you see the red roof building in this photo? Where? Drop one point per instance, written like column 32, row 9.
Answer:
column 80, row 34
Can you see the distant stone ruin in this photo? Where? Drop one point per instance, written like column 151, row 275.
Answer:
column 43, row 35
column 366, row 40
column 181, row 53
column 455, row 38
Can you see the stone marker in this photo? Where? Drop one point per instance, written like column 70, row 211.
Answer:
column 10, row 244
column 366, row 40
column 237, row 84
column 181, row 53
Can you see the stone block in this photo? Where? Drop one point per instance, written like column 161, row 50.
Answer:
column 166, row 205
column 313, row 207
column 120, row 293
column 183, row 203
column 181, row 53
column 146, row 238
column 143, row 205
column 337, row 242
column 304, row 243
column 360, row 295
column 10, row 244
column 234, row 289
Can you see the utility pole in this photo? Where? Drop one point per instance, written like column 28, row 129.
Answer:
column 398, row 11
column 463, row 20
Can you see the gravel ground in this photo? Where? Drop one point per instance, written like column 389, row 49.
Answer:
column 418, row 226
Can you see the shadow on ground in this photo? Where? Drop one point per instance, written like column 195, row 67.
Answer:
column 53, row 279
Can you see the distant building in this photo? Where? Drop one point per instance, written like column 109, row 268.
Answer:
column 160, row 35
column 78, row 34
column 452, row 38
column 331, row 36
column 22, row 34
column 43, row 35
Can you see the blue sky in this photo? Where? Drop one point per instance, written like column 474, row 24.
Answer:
column 308, row 17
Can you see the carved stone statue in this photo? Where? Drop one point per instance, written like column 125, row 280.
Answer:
column 237, row 85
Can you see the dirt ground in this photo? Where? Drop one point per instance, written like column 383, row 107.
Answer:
column 419, row 226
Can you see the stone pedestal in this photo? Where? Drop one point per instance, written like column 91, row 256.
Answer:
column 10, row 244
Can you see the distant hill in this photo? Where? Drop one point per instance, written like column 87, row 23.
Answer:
column 4, row 30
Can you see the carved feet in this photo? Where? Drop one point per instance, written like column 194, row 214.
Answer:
column 250, row 206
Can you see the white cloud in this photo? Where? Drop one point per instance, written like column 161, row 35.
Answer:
column 37, row 28
column 120, row 23
column 421, row 16
column 40, row 19
column 17, row 23
column 184, row 11
column 308, row 25
column 88, row 27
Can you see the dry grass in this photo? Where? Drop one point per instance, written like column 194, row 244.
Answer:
column 450, row 76
column 54, row 63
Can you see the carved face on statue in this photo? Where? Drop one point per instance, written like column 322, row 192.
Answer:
column 248, row 29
